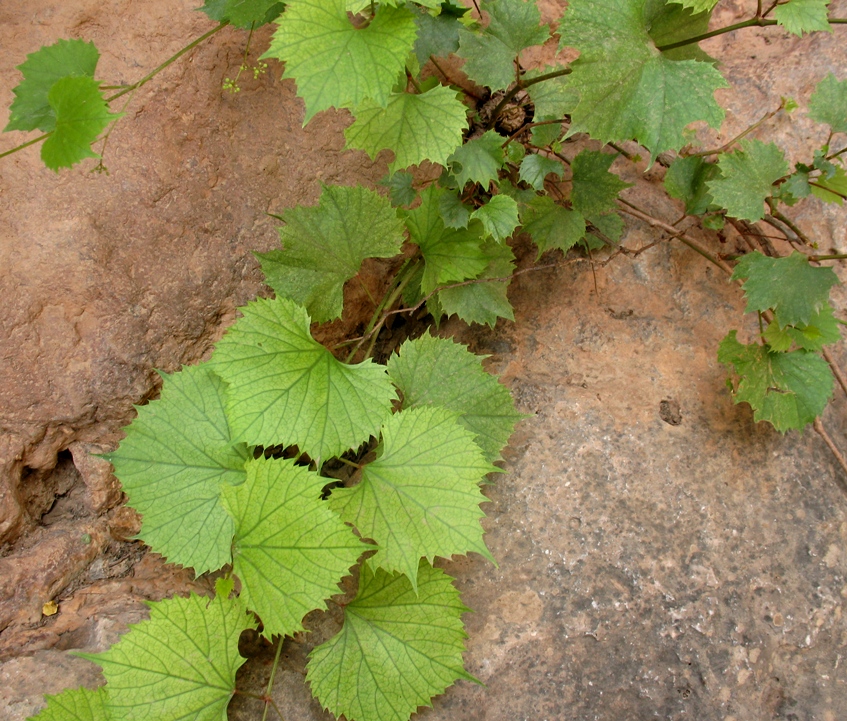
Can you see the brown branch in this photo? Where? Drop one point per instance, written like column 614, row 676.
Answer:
column 832, row 447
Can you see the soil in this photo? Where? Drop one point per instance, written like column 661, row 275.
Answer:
column 660, row 555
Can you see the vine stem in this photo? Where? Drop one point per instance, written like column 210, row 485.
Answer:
column 727, row 145
column 130, row 88
column 752, row 22
column 832, row 447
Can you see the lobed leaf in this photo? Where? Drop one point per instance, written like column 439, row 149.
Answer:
column 535, row 168
column 594, row 189
column 324, row 246
column 243, row 13
column 284, row 388
column 747, row 177
column 552, row 226
column 799, row 16
column 499, row 217
column 828, row 103
column 478, row 160
column 75, row 704
column 421, row 496
column 821, row 329
column 438, row 35
column 398, row 648
column 686, row 180
column 177, row 456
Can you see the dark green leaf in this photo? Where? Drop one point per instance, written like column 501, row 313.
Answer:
column 243, row 13
column 535, row 168
column 686, row 180
column 400, row 188
column 551, row 225
column 478, row 160
column 747, row 177
column 454, row 212
column 594, row 187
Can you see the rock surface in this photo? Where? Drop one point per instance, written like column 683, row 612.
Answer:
column 660, row 556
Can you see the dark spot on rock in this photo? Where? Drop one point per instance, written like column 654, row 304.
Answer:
column 670, row 412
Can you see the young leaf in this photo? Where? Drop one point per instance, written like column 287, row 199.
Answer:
column 821, row 330
column 433, row 371
column 747, row 177
column 788, row 390
column 243, row 13
column 478, row 160
column 480, row 302
column 415, row 127
column 400, row 188
column 398, row 648
column 799, row 16
column 552, row 226
column 792, row 288
column 490, row 55
column 336, row 64
column 81, row 115
column 285, row 388
column 421, row 496
column 828, row 103
column 75, row 704
column 31, row 108
column 795, row 187
column 687, row 180
column 499, row 217
column 449, row 255
column 290, row 550
column 627, row 89
column 324, row 246
column 177, row 456
column 594, row 188
column 438, row 35
column 535, row 168
column 178, row 664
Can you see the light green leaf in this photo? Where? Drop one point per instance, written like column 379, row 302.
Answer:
column 177, row 455
column 822, row 329
column 421, row 496
column 499, row 217
column 799, row 16
column 414, row 127
column 290, row 550
column 336, row 64
column 478, row 160
column 628, row 89
column 31, row 108
column 481, row 302
column 790, row 286
column 686, row 180
column 828, row 103
column 75, row 704
column 594, row 188
column 789, row 390
column 450, row 255
column 535, row 168
column 433, row 371
column 697, row 5
column 398, row 648
column 285, row 388
column 438, row 35
column 243, row 13
column 490, row 54
column 324, row 246
column 747, row 177
column 180, row 664
column 81, row 115
column 400, row 188
column 831, row 190
column 552, row 226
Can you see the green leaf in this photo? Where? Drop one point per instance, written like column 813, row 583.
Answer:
column 421, row 496
column 438, row 35
column 324, row 246
column 490, row 55
column 178, row 664
column 421, row 127
column 828, row 103
column 290, row 550
column 627, row 89
column 336, row 64
column 285, row 388
column 450, row 255
column 433, row 371
column 552, row 226
column 177, row 456
column 31, row 108
column 831, row 190
column 788, row 390
column 543, row 135
column 668, row 23
column 790, row 286
column 454, row 212
column 552, row 98
column 481, row 302
column 478, row 160
column 400, row 188
column 609, row 224
column 398, row 648
column 75, row 704
column 594, row 187
column 687, row 180
column 794, row 188
column 81, row 115
column 747, row 177
column 799, row 16
column 535, row 168
column 499, row 217
column 243, row 13
column 697, row 5
column 821, row 330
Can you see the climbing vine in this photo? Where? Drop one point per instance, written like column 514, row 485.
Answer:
column 285, row 465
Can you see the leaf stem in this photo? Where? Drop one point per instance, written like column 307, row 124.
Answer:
column 271, row 681
column 26, row 144
column 828, row 190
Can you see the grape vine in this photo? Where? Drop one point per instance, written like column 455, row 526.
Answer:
column 286, row 465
